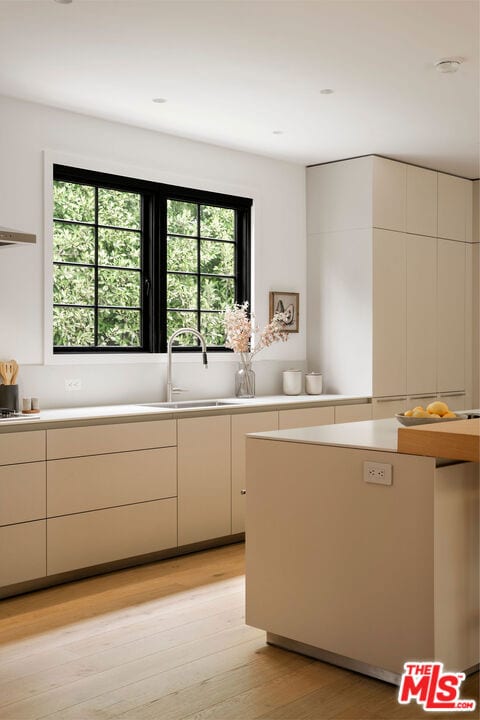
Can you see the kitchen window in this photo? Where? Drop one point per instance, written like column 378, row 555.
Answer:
column 134, row 261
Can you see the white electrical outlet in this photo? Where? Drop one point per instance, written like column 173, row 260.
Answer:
column 73, row 384
column 379, row 473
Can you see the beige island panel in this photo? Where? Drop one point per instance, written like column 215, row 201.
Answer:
column 459, row 440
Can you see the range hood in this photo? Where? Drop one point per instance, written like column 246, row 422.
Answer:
column 15, row 237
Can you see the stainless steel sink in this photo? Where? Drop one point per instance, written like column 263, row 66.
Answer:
column 187, row 404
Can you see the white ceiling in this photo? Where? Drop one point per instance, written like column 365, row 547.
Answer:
column 234, row 71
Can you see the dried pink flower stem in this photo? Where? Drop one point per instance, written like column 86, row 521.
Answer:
column 241, row 331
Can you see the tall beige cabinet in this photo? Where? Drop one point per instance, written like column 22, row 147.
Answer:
column 391, row 281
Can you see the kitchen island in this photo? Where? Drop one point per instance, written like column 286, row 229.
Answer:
column 364, row 566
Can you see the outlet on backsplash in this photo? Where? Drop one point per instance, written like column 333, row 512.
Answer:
column 73, row 384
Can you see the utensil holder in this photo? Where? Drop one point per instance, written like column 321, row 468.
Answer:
column 9, row 397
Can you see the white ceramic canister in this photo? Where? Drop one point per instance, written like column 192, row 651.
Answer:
column 314, row 383
column 292, row 382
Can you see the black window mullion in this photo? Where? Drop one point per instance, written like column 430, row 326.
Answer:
column 199, row 259
column 160, row 265
column 96, row 269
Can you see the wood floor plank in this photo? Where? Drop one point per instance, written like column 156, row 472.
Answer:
column 254, row 702
column 112, row 703
column 41, row 680
column 84, row 623
column 96, row 675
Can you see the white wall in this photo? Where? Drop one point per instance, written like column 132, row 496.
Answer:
column 339, row 275
column 31, row 132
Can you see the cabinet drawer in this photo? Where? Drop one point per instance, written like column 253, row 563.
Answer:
column 353, row 413
column 102, row 481
column 22, row 552
column 305, row 417
column 101, row 439
column 101, row 536
column 22, row 447
column 22, row 493
column 388, row 407
column 456, row 400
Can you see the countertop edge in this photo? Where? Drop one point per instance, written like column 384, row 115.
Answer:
column 142, row 412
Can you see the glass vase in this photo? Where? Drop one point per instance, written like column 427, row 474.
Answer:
column 245, row 377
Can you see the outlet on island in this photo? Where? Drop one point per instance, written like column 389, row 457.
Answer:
column 72, row 384
column 379, row 473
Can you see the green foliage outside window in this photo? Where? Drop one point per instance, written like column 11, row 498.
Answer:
column 194, row 262
column 82, row 286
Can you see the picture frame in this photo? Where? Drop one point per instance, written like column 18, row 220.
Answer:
column 289, row 302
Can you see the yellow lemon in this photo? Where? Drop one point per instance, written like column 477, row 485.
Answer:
column 408, row 413
column 433, row 415
column 438, row 407
column 450, row 414
column 420, row 414
column 419, row 407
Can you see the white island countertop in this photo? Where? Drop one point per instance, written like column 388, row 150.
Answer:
column 144, row 411
column 365, row 435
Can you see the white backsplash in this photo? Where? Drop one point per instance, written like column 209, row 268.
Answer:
column 146, row 382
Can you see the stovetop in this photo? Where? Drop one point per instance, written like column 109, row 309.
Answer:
column 8, row 414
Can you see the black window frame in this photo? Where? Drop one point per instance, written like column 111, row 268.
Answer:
column 154, row 252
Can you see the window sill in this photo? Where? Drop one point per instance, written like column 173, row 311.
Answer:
column 136, row 358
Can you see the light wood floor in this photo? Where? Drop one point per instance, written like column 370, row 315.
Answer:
column 168, row 641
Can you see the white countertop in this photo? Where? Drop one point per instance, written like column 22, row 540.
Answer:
column 364, row 435
column 63, row 415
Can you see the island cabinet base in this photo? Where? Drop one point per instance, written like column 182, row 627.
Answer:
column 363, row 575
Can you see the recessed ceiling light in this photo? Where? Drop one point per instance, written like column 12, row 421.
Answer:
column 64, row 2
column 277, row 132
column 448, row 65
column 327, row 91
column 159, row 101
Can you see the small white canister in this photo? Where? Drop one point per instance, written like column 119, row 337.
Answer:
column 292, row 382
column 314, row 383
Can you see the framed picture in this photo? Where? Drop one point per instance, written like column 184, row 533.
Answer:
column 286, row 302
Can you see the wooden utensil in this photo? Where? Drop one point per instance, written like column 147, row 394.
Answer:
column 9, row 372
column 16, row 368
column 5, row 372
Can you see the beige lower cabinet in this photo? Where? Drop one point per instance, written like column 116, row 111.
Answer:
column 22, row 447
column 101, row 481
column 102, row 536
column 388, row 407
column 456, row 400
column 241, row 425
column 305, row 417
column 353, row 413
column 120, row 437
column 22, row 552
column 204, row 479
column 22, row 493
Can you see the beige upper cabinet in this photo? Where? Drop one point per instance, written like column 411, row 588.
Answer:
column 451, row 315
column 204, row 479
column 389, row 313
column 389, row 194
column 241, row 425
column 454, row 204
column 421, row 314
column 421, row 201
